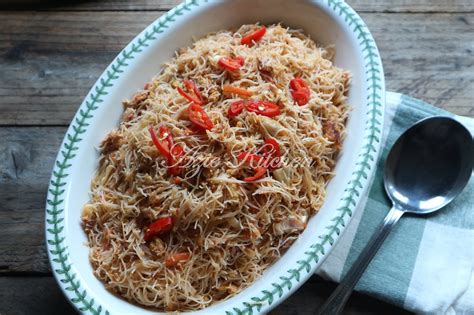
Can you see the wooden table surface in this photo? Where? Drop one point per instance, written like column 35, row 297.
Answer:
column 52, row 53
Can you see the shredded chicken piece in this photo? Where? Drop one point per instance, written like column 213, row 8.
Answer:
column 331, row 132
column 111, row 142
column 137, row 100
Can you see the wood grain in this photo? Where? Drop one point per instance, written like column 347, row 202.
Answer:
column 32, row 295
column 412, row 5
column 48, row 70
column 25, row 300
column 147, row 5
column 26, row 160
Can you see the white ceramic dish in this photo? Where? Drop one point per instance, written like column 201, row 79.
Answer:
column 328, row 22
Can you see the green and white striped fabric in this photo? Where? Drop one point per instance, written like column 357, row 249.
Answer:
column 426, row 264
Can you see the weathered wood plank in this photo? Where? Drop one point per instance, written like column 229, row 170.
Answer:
column 153, row 5
column 32, row 295
column 412, row 5
column 41, row 295
column 47, row 70
column 26, row 160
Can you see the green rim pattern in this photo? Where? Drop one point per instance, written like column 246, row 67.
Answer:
column 57, row 249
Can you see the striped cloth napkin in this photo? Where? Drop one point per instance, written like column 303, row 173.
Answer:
column 426, row 264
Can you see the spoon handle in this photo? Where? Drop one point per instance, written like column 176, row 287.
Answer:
column 336, row 302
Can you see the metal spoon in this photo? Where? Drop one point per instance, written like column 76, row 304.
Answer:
column 427, row 167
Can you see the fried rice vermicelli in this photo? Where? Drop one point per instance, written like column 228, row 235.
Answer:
column 219, row 221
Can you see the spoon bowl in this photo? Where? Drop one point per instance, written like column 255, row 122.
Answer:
column 429, row 165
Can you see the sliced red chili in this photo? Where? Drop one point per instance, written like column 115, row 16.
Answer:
column 251, row 158
column 300, row 91
column 159, row 226
column 254, row 36
column 231, row 64
column 240, row 60
column 198, row 117
column 176, row 153
column 264, row 108
column 259, row 172
column 298, row 84
column 165, row 145
column 271, row 147
column 164, row 141
column 193, row 94
column 229, row 89
column 300, row 97
column 177, row 258
column 236, row 108
column 272, row 153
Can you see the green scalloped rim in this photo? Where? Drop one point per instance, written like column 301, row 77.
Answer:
column 58, row 252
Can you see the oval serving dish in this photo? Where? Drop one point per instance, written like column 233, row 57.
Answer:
column 327, row 22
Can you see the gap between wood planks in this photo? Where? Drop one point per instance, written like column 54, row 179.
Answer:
column 367, row 6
